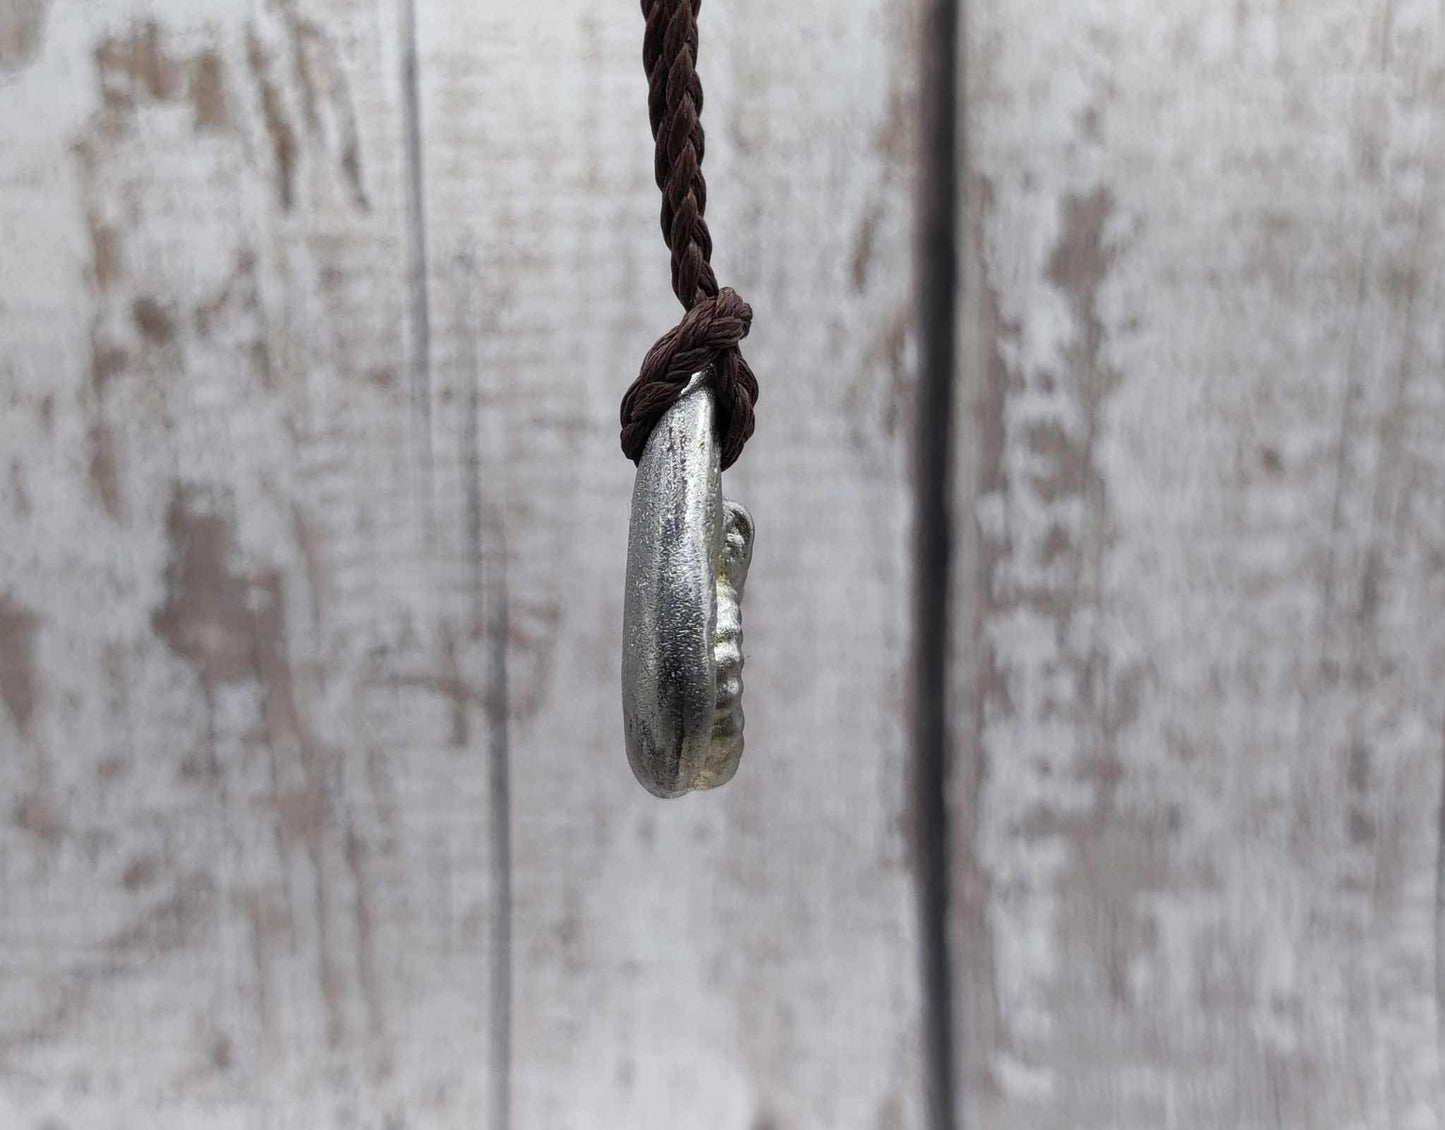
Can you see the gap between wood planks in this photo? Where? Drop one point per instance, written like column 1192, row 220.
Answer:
column 490, row 615
column 937, row 250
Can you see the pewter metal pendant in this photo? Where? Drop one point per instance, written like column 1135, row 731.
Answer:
column 688, row 552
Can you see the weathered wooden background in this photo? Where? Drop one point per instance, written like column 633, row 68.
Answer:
column 314, row 315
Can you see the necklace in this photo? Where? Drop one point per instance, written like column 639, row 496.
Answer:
column 685, row 420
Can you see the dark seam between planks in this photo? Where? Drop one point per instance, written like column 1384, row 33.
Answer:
column 486, row 522
column 937, row 267
column 499, row 756
column 1440, row 928
column 419, row 382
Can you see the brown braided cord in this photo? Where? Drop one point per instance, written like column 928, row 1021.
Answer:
column 717, row 319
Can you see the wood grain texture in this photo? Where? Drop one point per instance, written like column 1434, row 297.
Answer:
column 315, row 320
column 1200, row 720
column 741, row 959
column 244, row 859
column 314, row 317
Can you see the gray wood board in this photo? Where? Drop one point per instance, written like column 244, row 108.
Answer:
column 315, row 320
column 1202, row 632
column 739, row 959
column 245, row 865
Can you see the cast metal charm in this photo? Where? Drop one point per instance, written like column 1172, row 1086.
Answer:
column 688, row 552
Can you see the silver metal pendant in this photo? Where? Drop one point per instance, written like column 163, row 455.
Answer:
column 688, row 551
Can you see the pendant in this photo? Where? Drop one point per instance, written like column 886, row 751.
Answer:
column 688, row 551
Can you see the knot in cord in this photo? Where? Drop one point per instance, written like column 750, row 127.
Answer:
column 707, row 338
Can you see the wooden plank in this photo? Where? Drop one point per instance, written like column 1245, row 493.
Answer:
column 1200, row 720
column 744, row 958
column 244, row 853
column 313, row 523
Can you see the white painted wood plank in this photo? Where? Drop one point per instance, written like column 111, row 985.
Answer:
column 271, row 573
column 1203, row 634
column 742, row 959
column 244, row 854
